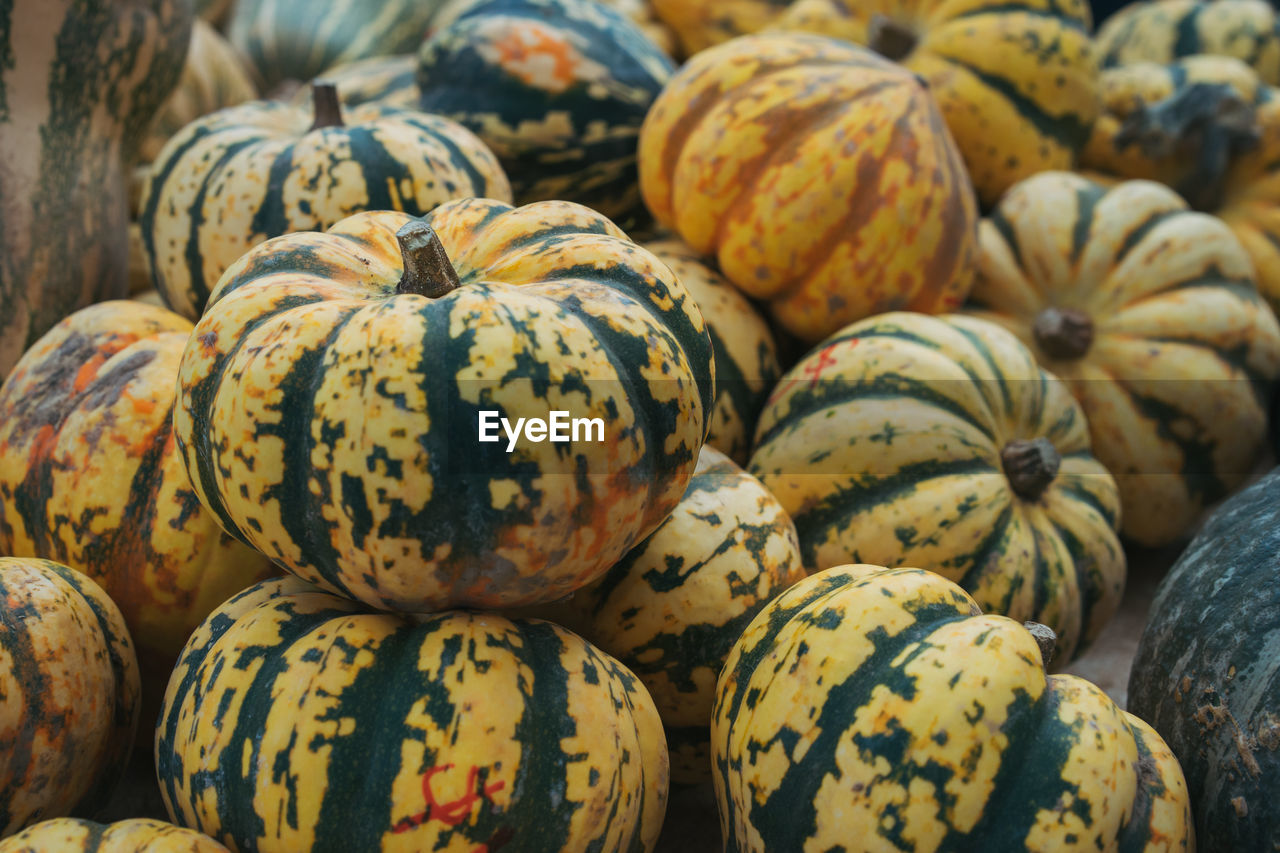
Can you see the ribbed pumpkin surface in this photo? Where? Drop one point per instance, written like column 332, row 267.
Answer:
column 295, row 720
column 898, row 440
column 389, row 81
column 333, row 423
column 1248, row 30
column 68, row 693
column 881, row 705
column 90, row 477
column 1173, row 350
column 137, row 835
column 672, row 608
column 557, row 88
column 242, row 175
column 745, row 353
column 819, row 175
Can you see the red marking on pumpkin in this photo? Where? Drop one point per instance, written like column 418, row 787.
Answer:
column 141, row 405
column 520, row 48
column 87, row 372
column 814, row 369
column 453, row 812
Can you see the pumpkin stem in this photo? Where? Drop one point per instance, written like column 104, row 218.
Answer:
column 1031, row 465
column 1206, row 125
column 1045, row 638
column 327, row 108
column 427, row 269
column 1063, row 332
column 889, row 38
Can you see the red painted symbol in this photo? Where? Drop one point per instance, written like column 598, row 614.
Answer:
column 453, row 812
column 815, row 368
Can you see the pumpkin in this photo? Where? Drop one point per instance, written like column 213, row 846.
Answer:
column 557, row 88
column 69, row 704
column 484, row 731
column 135, row 835
column 214, row 77
column 819, row 175
column 672, row 608
column 79, row 83
column 89, row 475
column 1248, row 30
column 235, row 178
column 938, row 442
column 1017, row 84
column 294, row 40
column 1149, row 311
column 334, row 395
column 639, row 12
column 745, row 353
column 880, row 709
column 1205, row 671
column 389, row 81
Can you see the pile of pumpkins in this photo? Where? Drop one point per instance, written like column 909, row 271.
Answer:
column 900, row 326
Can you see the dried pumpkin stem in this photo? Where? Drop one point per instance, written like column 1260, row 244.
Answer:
column 327, row 108
column 1206, row 125
column 1031, row 465
column 1064, row 333
column 427, row 269
column 889, row 38
column 1045, row 638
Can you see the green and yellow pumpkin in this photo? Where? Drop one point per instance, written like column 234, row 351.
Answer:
column 1150, row 314
column 1016, row 83
column 938, row 442
column 69, row 688
column 245, row 174
column 362, row 731
column 639, row 12
column 745, row 353
column 333, row 400
column 213, row 78
column 134, row 835
column 557, row 88
column 389, row 81
column 90, row 475
column 883, row 706
column 819, row 175
column 1248, row 30
column 79, row 83
column 673, row 607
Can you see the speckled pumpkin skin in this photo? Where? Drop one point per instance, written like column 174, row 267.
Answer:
column 820, row 176
column 882, row 705
column 557, row 88
column 745, row 352
column 90, row 476
column 1205, row 671
column 672, row 608
column 136, row 835
column 639, row 12
column 1174, row 384
column 885, row 443
column 333, row 424
column 68, row 693
column 242, row 175
column 1248, row 30
column 373, row 731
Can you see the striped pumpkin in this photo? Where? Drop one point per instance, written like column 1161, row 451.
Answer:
column 389, row 81
column 331, row 399
column 557, row 88
column 1150, row 313
column 672, row 608
column 293, row 39
column 700, row 24
column 455, row 731
column 68, row 693
column 745, row 354
column 214, row 77
column 1248, row 30
column 882, row 705
column 79, row 83
column 90, row 477
column 136, row 835
column 819, row 175
column 233, row 179
column 639, row 12
column 939, row 443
